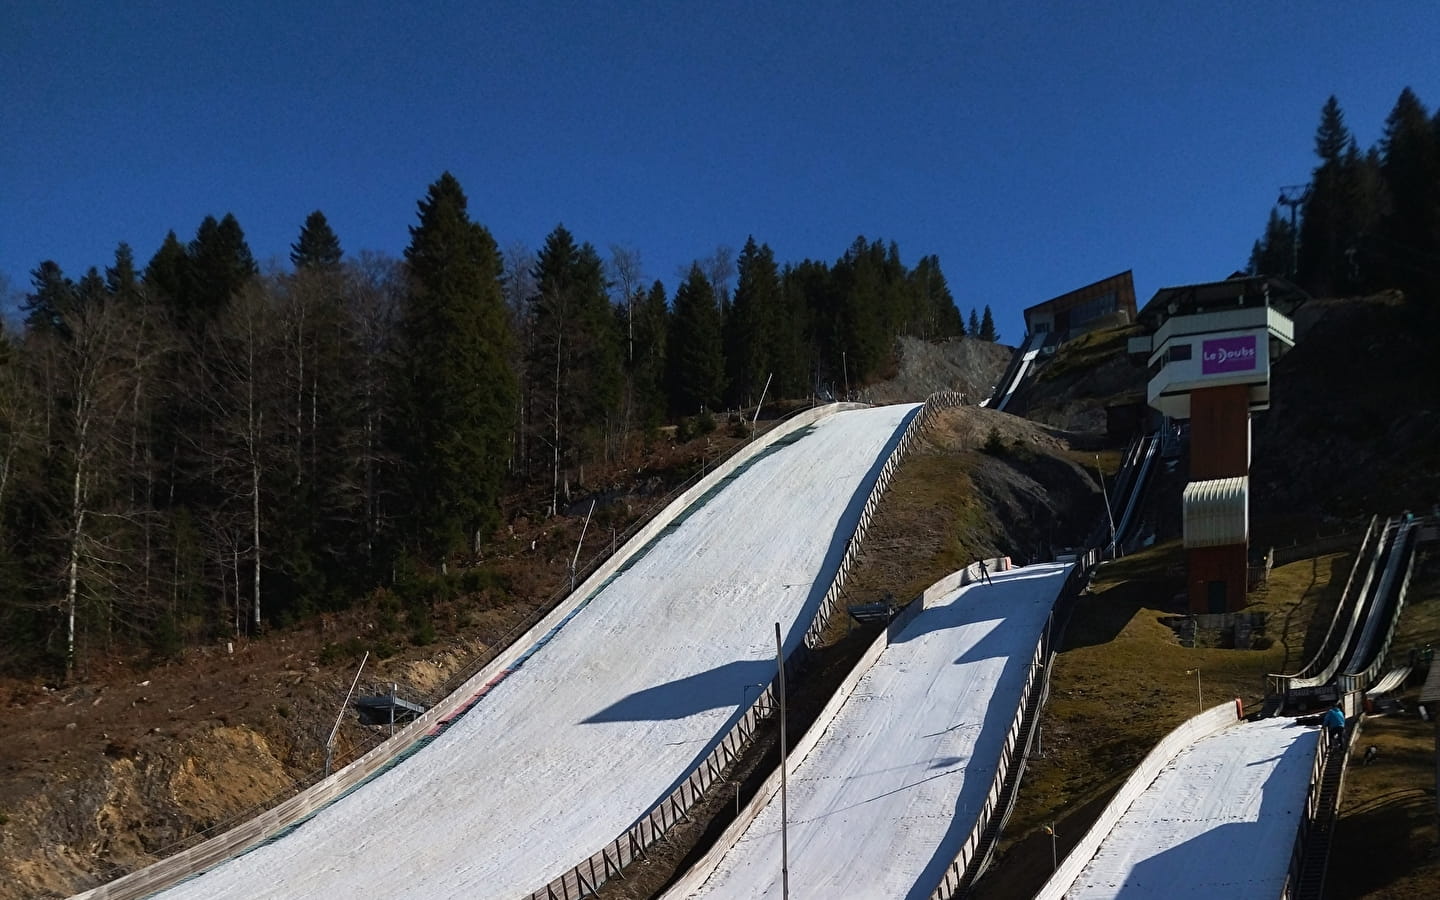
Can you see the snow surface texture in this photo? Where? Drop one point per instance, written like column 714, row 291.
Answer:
column 1219, row 820
column 573, row 747
column 888, row 795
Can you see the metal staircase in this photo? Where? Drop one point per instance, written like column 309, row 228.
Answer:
column 1310, row 884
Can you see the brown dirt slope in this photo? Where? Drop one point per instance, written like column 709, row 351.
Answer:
column 954, row 501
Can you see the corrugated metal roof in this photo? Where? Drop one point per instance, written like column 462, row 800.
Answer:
column 1217, row 512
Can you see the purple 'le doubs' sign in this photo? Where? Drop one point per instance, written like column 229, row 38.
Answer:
column 1233, row 354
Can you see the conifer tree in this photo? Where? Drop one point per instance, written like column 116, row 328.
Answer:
column 750, row 329
column 1273, row 253
column 121, row 279
column 693, row 351
column 166, row 274
column 936, row 315
column 974, row 327
column 574, row 365
column 461, row 392
column 219, row 265
column 812, row 297
column 1332, row 136
column 51, row 299
column 1410, row 163
column 652, row 327
column 1329, row 231
column 987, row 326
column 791, row 348
column 862, row 279
column 317, row 246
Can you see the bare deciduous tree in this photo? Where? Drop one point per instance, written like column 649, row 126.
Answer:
column 236, row 369
column 94, row 370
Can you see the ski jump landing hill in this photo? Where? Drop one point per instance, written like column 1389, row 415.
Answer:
column 887, row 785
column 595, row 721
column 1212, row 811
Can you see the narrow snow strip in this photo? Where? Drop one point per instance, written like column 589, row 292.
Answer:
column 1219, row 820
column 881, row 804
column 610, row 708
column 1031, row 350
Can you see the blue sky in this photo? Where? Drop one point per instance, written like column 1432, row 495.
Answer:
column 1034, row 147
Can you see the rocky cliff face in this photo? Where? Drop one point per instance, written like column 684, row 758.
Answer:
column 121, row 769
column 119, row 810
column 965, row 365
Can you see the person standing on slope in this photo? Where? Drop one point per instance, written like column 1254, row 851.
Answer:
column 984, row 572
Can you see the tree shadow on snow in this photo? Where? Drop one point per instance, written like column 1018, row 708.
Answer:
column 980, row 771
column 732, row 684
column 724, row 685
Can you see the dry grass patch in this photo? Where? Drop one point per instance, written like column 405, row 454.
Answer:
column 1386, row 840
column 1088, row 351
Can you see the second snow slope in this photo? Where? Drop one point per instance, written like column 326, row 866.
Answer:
column 1218, row 821
column 891, row 790
column 603, row 720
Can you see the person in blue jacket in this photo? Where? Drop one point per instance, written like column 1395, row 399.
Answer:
column 1334, row 722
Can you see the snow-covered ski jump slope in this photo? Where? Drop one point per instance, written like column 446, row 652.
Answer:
column 1218, row 821
column 883, row 800
column 610, row 713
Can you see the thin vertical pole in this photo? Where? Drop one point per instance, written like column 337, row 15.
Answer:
column 330, row 742
column 759, row 405
column 784, row 755
column 580, row 543
column 1106, row 494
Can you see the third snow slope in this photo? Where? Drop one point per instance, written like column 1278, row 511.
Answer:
column 890, row 792
column 1218, row 821
column 600, row 723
